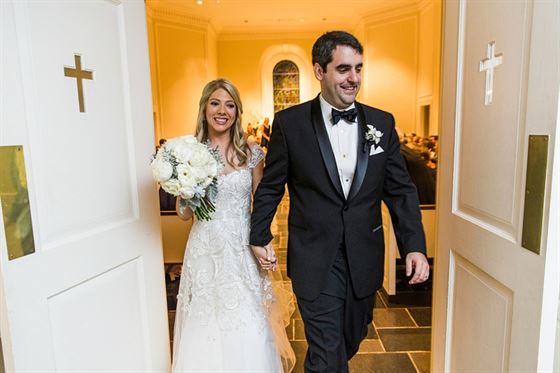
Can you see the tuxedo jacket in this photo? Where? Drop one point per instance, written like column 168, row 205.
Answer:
column 321, row 220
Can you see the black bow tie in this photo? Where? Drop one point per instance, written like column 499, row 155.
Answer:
column 348, row 115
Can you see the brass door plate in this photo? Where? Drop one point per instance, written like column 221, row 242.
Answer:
column 15, row 202
column 535, row 184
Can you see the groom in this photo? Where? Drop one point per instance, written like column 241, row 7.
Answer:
column 340, row 159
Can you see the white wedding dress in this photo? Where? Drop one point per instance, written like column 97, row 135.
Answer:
column 228, row 315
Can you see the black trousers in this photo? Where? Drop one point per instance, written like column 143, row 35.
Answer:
column 336, row 322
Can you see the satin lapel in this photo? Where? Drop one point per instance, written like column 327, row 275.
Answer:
column 362, row 156
column 325, row 144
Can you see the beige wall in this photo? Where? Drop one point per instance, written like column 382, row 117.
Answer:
column 391, row 49
column 174, row 234
column 243, row 60
column 429, row 36
column 183, row 60
column 401, row 66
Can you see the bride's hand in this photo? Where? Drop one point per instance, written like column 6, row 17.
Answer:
column 265, row 256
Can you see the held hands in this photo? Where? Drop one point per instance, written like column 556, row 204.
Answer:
column 266, row 256
column 419, row 263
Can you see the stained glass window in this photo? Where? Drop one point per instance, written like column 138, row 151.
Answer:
column 285, row 79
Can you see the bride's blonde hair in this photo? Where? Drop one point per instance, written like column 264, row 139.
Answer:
column 237, row 136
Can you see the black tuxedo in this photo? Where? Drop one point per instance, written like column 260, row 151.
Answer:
column 330, row 237
column 320, row 218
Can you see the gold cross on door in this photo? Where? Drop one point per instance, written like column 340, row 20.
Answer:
column 79, row 74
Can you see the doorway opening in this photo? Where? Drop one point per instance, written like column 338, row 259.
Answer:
column 175, row 99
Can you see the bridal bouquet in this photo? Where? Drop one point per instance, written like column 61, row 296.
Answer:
column 188, row 169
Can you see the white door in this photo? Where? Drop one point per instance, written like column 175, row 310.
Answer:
column 92, row 295
column 495, row 302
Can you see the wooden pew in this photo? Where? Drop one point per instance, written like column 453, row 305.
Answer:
column 391, row 250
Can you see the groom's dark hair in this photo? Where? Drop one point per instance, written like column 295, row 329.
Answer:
column 324, row 46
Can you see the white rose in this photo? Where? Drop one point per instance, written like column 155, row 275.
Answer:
column 189, row 139
column 171, row 143
column 199, row 157
column 182, row 151
column 211, row 166
column 202, row 173
column 161, row 169
column 186, row 192
column 171, row 186
column 185, row 175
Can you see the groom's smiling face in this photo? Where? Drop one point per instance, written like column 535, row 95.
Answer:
column 340, row 81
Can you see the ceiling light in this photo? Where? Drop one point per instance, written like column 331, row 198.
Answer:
column 199, row 2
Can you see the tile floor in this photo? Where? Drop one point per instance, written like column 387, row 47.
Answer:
column 398, row 339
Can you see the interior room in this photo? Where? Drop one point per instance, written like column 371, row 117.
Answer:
column 265, row 50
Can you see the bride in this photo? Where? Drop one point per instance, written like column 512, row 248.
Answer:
column 229, row 316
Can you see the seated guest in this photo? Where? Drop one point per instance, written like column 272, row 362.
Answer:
column 422, row 176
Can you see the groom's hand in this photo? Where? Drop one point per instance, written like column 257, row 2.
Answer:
column 271, row 256
column 417, row 262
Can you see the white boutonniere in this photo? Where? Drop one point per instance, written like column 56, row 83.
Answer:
column 373, row 137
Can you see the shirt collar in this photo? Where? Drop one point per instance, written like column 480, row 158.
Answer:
column 326, row 108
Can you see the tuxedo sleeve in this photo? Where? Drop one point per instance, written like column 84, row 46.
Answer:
column 401, row 197
column 271, row 188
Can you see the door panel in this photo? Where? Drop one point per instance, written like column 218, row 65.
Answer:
column 488, row 187
column 489, row 291
column 96, row 141
column 474, row 293
column 92, row 296
column 79, row 316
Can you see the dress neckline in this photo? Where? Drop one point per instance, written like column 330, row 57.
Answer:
column 234, row 172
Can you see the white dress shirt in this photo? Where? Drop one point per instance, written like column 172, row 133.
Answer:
column 344, row 142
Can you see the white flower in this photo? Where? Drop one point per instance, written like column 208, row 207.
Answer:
column 187, row 192
column 188, row 169
column 189, row 139
column 200, row 191
column 199, row 157
column 199, row 174
column 181, row 151
column 206, row 182
column 373, row 134
column 171, row 186
column 161, row 169
column 185, row 175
